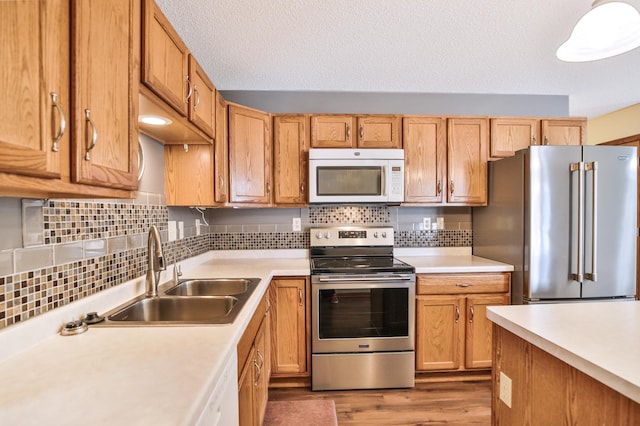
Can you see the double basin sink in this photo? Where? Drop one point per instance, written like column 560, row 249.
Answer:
column 190, row 301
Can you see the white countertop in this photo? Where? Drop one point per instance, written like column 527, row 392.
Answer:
column 148, row 375
column 448, row 260
column 601, row 339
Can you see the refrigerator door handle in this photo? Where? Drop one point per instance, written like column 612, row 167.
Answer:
column 593, row 275
column 579, row 167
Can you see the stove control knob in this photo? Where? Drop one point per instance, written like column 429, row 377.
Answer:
column 328, row 235
column 384, row 235
column 319, row 235
column 375, row 235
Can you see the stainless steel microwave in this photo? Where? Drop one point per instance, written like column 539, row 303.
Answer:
column 356, row 175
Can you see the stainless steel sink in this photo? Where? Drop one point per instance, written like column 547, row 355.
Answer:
column 213, row 287
column 177, row 310
column 191, row 302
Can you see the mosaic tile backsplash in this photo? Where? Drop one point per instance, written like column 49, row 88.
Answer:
column 91, row 245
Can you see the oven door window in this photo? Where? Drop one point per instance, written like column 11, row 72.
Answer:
column 362, row 180
column 366, row 312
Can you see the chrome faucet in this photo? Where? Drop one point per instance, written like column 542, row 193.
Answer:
column 155, row 262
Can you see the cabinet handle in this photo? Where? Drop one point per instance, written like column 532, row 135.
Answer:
column 534, row 141
column 439, row 187
column 268, row 187
column 361, row 132
column 189, row 91
column 221, row 181
column 259, row 372
column 348, row 132
column 451, row 187
column 471, row 313
column 302, row 188
column 268, row 307
column 457, row 314
column 463, row 285
column 63, row 121
column 546, row 141
column 300, row 296
column 94, row 134
column 197, row 95
column 261, row 357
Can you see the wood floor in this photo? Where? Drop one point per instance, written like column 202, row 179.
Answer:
column 453, row 403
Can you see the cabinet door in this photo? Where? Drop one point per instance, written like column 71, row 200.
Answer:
column 221, row 157
column 165, row 59
column 332, row 131
column 202, row 101
column 261, row 381
column 105, row 92
column 379, row 131
column 563, row 132
column 249, row 156
column 246, row 391
column 424, row 159
column 478, row 346
column 509, row 135
column 290, row 159
column 288, row 321
column 467, row 140
column 35, row 87
column 188, row 175
column 440, row 322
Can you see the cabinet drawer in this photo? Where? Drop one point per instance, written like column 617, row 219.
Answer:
column 463, row 283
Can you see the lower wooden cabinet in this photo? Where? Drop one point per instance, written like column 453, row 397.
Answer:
column 452, row 331
column 290, row 334
column 254, row 367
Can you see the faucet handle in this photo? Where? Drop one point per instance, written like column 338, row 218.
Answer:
column 161, row 264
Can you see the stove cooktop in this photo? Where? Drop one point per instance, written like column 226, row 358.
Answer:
column 359, row 265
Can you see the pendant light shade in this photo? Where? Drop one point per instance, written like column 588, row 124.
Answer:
column 608, row 29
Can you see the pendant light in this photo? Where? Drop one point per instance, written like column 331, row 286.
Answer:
column 608, row 29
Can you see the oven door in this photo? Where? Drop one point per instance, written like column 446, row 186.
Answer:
column 362, row 313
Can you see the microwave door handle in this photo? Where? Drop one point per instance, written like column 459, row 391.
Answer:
column 384, row 180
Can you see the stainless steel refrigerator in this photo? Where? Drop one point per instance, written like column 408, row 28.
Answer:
column 565, row 217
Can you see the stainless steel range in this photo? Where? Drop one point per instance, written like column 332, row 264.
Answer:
column 363, row 310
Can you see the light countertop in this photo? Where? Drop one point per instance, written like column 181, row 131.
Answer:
column 601, row 339
column 147, row 375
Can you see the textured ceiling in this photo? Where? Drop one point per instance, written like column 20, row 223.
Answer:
column 412, row 46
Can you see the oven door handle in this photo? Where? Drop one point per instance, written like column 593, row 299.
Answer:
column 365, row 279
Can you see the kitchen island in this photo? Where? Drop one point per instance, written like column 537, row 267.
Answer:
column 572, row 363
column 151, row 375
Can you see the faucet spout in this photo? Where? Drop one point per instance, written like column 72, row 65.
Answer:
column 155, row 262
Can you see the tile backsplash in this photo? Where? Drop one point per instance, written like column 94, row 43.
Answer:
column 79, row 247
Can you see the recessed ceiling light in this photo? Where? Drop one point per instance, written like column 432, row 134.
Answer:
column 154, row 120
column 608, row 29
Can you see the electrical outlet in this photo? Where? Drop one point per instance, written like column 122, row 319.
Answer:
column 181, row 230
column 440, row 222
column 296, row 225
column 171, row 230
column 426, row 223
column 197, row 226
column 505, row 389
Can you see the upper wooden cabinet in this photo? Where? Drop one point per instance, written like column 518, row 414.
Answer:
column 346, row 131
column 249, row 156
column 69, row 104
column 104, row 105
column 560, row 131
column 188, row 175
column 174, row 75
column 467, row 139
column 221, row 153
column 290, row 159
column 510, row 134
column 425, row 157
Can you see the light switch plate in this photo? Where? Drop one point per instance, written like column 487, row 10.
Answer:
column 296, row 224
column 171, row 230
column 426, row 223
column 180, row 230
column 440, row 222
column 197, row 226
